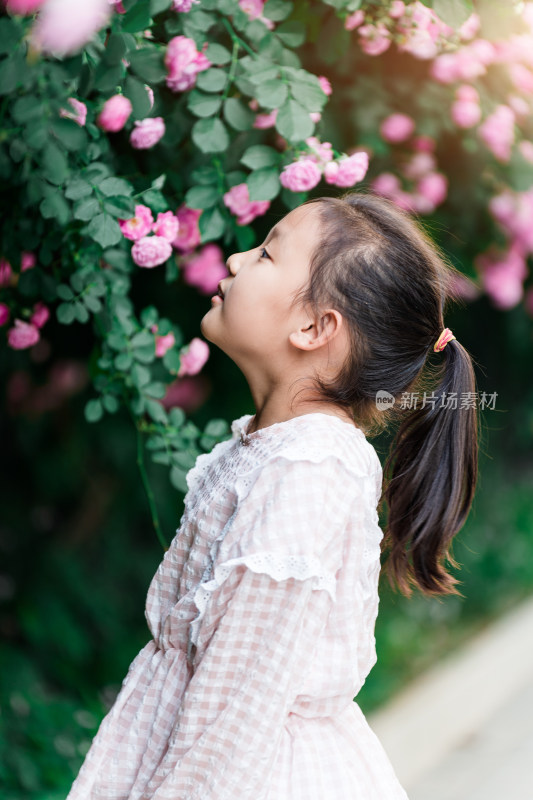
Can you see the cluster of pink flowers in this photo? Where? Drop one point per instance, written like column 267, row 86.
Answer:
column 63, row 27
column 147, row 132
column 306, row 172
column 420, row 168
column 152, row 240
column 183, row 62
column 116, row 112
column 205, row 269
column 414, row 27
column 25, row 334
column 239, row 203
column 193, row 357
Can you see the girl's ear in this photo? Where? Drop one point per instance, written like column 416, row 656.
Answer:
column 315, row 333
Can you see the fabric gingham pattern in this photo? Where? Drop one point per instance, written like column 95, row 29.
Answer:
column 262, row 617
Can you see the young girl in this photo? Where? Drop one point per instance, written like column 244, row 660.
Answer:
column 262, row 611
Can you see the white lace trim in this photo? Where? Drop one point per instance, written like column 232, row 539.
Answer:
column 279, row 566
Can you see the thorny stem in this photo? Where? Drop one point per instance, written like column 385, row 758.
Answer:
column 148, row 488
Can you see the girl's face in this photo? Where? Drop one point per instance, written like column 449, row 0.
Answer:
column 253, row 322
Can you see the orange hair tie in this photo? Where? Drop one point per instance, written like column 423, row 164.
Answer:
column 445, row 337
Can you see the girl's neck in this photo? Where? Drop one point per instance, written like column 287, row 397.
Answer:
column 265, row 418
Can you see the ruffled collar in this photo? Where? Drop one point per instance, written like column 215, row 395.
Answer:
column 239, row 427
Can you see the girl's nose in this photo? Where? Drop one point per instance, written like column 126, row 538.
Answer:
column 233, row 263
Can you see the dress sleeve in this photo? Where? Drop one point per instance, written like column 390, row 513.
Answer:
column 259, row 619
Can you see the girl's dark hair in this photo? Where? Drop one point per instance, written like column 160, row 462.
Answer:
column 384, row 275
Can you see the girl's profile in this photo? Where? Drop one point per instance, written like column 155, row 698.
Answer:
column 262, row 612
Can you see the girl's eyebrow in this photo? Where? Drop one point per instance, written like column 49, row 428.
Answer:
column 274, row 233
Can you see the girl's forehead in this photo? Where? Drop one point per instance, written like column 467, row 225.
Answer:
column 298, row 219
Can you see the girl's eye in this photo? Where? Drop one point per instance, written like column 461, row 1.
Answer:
column 264, row 253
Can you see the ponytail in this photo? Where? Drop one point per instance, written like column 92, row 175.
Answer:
column 433, row 464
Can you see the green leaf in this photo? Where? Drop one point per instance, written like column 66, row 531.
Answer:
column 204, row 175
column 155, row 410
column 65, row 313
column 245, row 237
column 218, row 54
column 293, row 121
column 235, row 177
column 177, row 417
column 292, row 34
column 178, row 480
column 92, row 303
column 145, row 354
column 271, row 94
column 155, row 389
column 202, row 197
column 69, row 133
column 171, row 360
column 148, row 64
column 115, row 49
column 212, row 224
column 81, row 313
column 216, row 428
column 54, row 164
column 259, row 156
column 35, row 134
column 142, row 339
column 64, row 292
column 202, row 105
column 149, row 316
column 115, row 186
column 277, row 10
column 27, row 108
column 107, row 78
column 123, row 361
column 120, row 207
column 306, row 89
column 212, row 80
column 137, row 18
column 77, row 188
column 263, row 184
column 110, row 403
column 10, row 32
column 158, row 6
column 453, row 12
column 136, row 93
column 236, row 114
column 86, row 208
column 93, row 411
column 210, row 135
column 104, row 230
column 140, row 375
column 55, row 206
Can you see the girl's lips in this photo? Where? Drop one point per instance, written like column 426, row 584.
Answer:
column 216, row 299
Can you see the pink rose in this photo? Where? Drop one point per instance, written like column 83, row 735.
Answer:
column 63, row 27
column 522, row 78
column 374, row 39
column 466, row 110
column 183, row 6
column 80, row 111
column 138, row 226
column 166, row 225
column 239, row 203
column 40, row 315
column 151, row 251
column 423, row 144
column 254, row 10
column 27, row 261
column 4, row 313
column 301, row 175
column 147, row 132
column 183, row 62
column 114, row 113
column 502, row 276
column 526, row 150
column 470, row 27
column 418, row 165
column 397, row 128
column 315, row 116
column 433, row 188
column 497, row 132
column 164, row 343
column 189, row 233
column 325, row 85
column 386, row 184
column 194, row 357
column 22, row 335
column 263, row 121
column 321, row 152
column 397, row 9
column 206, row 269
column 514, row 212
column 5, row 272
column 353, row 21
column 347, row 171
column 23, row 7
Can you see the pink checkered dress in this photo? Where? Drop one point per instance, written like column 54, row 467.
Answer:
column 262, row 617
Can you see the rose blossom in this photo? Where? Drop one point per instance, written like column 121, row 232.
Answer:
column 526, row 150
column 40, row 316
column 321, row 152
column 502, row 276
column 470, row 27
column 433, row 188
column 397, row 128
column 138, row 226
column 206, row 269
column 386, row 184
column 194, row 357
column 183, row 6
column 301, row 175
column 374, row 39
column 188, row 233
column 514, row 212
column 397, row 9
column 418, row 165
column 23, row 7
column 239, row 203
column 163, row 343
column 166, row 225
column 325, row 85
column 22, row 335
column 183, row 62
column 4, row 313
column 254, row 10
column 151, row 251
column 147, row 132
column 114, row 113
column 80, row 111
column 27, row 260
column 347, row 171
column 497, row 132
column 263, row 121
column 5, row 272
column 63, row 27
column 466, row 110
column 353, row 21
